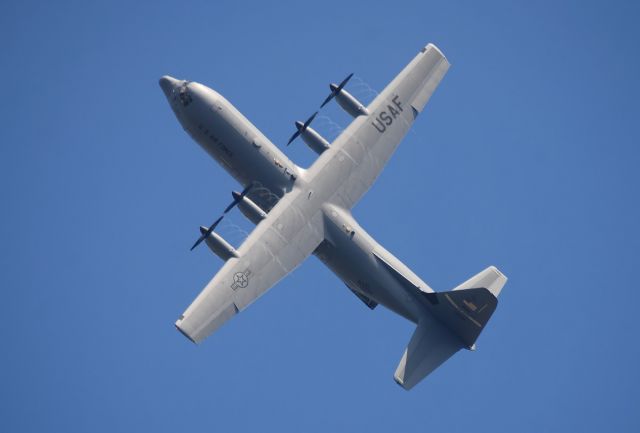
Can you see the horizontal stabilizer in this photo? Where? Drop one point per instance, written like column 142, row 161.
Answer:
column 430, row 346
column 491, row 279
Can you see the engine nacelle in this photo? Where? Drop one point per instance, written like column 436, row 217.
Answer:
column 219, row 246
column 249, row 209
column 350, row 104
column 311, row 137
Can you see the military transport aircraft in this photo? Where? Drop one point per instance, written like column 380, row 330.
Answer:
column 299, row 212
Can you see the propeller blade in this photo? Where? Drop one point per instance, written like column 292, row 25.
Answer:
column 329, row 98
column 239, row 197
column 293, row 137
column 247, row 189
column 301, row 127
column 344, row 82
column 309, row 120
column 200, row 239
column 233, row 203
column 336, row 90
column 205, row 234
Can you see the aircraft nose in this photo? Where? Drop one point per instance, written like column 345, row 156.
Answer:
column 167, row 84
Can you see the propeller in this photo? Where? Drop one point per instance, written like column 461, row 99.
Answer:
column 205, row 232
column 301, row 127
column 336, row 90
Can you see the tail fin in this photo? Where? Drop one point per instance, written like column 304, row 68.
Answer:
column 457, row 318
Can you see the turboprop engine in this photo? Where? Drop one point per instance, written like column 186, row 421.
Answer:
column 218, row 245
column 345, row 99
column 348, row 102
column 315, row 141
column 252, row 211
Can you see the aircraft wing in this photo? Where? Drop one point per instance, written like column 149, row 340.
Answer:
column 278, row 245
column 358, row 155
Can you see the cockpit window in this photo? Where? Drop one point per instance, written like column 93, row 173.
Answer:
column 183, row 93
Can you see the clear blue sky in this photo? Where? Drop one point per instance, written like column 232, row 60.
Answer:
column 527, row 157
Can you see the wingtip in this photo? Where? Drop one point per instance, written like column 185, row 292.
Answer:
column 438, row 50
column 183, row 332
column 400, row 382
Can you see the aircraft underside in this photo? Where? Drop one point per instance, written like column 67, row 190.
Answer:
column 300, row 212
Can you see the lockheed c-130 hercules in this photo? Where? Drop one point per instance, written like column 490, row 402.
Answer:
column 299, row 212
